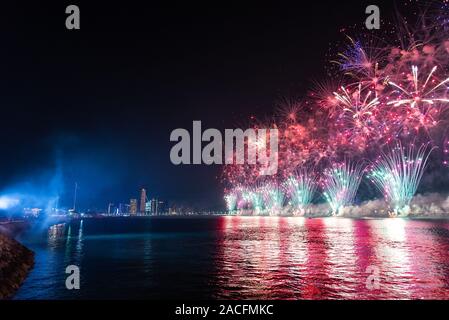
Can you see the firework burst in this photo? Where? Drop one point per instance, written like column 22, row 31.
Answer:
column 419, row 102
column 357, row 116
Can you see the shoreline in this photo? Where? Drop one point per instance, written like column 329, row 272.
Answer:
column 16, row 261
column 186, row 217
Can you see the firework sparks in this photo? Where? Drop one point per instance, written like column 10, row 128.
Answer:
column 274, row 198
column 419, row 93
column 420, row 102
column 231, row 202
column 301, row 187
column 385, row 91
column 398, row 174
column 341, row 184
column 358, row 112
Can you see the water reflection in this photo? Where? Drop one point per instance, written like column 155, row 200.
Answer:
column 367, row 259
column 79, row 243
column 56, row 235
column 316, row 276
column 289, row 258
column 428, row 250
column 242, row 258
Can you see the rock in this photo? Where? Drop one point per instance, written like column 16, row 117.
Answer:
column 15, row 263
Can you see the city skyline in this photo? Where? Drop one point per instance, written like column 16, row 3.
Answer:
column 185, row 73
column 143, row 205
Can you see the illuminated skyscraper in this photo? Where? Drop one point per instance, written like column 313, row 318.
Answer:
column 143, row 200
column 111, row 208
column 123, row 208
column 148, row 208
column 133, row 206
column 154, row 207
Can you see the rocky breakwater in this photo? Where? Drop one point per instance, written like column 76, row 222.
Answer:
column 15, row 260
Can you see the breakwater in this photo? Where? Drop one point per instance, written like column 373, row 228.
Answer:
column 15, row 260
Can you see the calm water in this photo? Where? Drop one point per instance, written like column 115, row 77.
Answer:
column 240, row 258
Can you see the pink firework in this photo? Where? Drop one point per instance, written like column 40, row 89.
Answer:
column 386, row 90
column 419, row 100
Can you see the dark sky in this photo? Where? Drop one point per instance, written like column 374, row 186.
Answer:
column 99, row 104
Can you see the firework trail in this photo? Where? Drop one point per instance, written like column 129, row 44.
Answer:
column 341, row 184
column 254, row 196
column 397, row 175
column 446, row 152
column 231, row 202
column 301, row 187
column 274, row 197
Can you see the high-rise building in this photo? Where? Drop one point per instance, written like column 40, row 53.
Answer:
column 123, row 208
column 148, row 208
column 143, row 201
column 153, row 207
column 162, row 207
column 111, row 208
column 133, row 206
column 156, row 207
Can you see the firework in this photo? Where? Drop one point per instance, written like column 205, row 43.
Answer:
column 446, row 153
column 386, row 90
column 301, row 188
column 398, row 174
column 231, row 202
column 254, row 196
column 357, row 115
column 362, row 61
column 421, row 98
column 341, row 184
column 258, row 205
column 355, row 60
column 274, row 197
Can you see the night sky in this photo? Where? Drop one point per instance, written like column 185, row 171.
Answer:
column 97, row 106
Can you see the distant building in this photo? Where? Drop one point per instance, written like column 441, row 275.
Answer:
column 148, row 208
column 133, row 206
column 32, row 212
column 143, row 201
column 123, row 208
column 156, row 207
column 111, row 208
column 162, row 207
